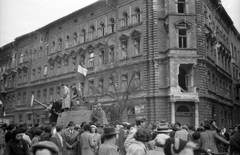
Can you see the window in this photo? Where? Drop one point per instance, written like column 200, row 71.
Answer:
column 90, row 89
column 39, row 95
column 124, row 49
column 124, row 82
column 33, row 74
column 39, row 72
column 51, row 94
column 182, row 33
column 60, row 44
column 100, row 86
column 111, row 84
column 213, row 82
column 111, row 54
column 53, row 47
column 101, row 57
column 67, row 41
column 24, row 97
column 101, row 30
column 125, row 19
column 45, row 71
column 46, row 49
column 91, row 33
column 82, row 60
column 58, row 92
column 181, row 6
column 45, row 95
column 19, row 99
column 111, row 27
column 137, row 79
column 83, row 36
column 185, row 78
column 137, row 16
column 137, row 46
column 91, row 59
column 75, row 38
column 21, row 58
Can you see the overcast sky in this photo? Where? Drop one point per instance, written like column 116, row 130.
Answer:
column 18, row 17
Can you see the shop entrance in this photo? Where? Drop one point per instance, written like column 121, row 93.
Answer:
column 184, row 114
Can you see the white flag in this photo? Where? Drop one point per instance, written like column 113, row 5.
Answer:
column 82, row 70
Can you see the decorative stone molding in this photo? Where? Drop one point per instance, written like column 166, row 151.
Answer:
column 90, row 46
column 58, row 59
column 19, row 69
column 66, row 57
column 81, row 50
column 181, row 22
column 123, row 37
column 100, row 43
column 136, row 34
column 25, row 68
column 13, row 72
column 51, row 61
column 73, row 54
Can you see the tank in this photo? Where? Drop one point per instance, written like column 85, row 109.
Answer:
column 77, row 114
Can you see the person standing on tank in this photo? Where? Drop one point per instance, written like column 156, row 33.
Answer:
column 66, row 101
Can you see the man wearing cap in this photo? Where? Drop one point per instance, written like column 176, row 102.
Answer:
column 45, row 148
column 59, row 140
column 70, row 135
column 109, row 147
column 140, row 123
column 17, row 146
column 160, row 141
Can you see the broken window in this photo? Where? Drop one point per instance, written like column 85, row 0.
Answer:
column 185, row 77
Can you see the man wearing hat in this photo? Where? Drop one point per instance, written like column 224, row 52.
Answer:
column 70, row 135
column 45, row 148
column 140, row 123
column 109, row 147
column 162, row 128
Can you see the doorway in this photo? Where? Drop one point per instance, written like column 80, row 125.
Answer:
column 184, row 114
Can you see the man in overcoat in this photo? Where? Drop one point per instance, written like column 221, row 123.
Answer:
column 66, row 104
column 59, row 140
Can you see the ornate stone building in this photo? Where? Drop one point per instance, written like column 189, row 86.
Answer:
column 185, row 54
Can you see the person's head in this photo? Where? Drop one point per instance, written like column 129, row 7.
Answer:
column 29, row 126
column 48, row 129
column 87, row 127
column 45, row 148
column 62, row 85
column 77, row 127
column 11, row 127
column 163, row 128
column 109, row 133
column 23, row 129
column 223, row 130
column 141, row 122
column 36, row 125
column 142, row 135
column 160, row 140
column 207, row 126
column 177, row 125
column 71, row 125
column 235, row 128
column 59, row 128
column 99, row 106
column 213, row 122
column 83, row 123
column 38, row 132
column 196, row 135
column 93, row 129
column 17, row 134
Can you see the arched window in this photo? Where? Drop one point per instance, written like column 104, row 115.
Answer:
column 183, row 108
column 21, row 58
column 75, row 38
column 101, row 29
column 125, row 19
column 53, row 46
column 67, row 41
column 91, row 58
column 137, row 16
column 111, row 27
column 91, row 32
column 60, row 44
column 101, row 57
column 83, row 36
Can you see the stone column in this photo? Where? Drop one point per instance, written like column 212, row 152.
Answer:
column 196, row 114
column 172, row 112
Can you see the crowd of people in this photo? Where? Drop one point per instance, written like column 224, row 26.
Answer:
column 119, row 139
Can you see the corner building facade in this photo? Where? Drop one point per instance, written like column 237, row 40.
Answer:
column 185, row 53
